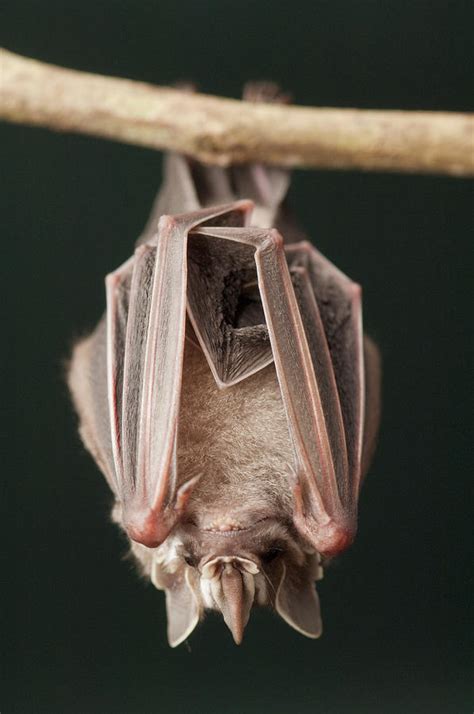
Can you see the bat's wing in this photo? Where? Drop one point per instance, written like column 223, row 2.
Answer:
column 225, row 309
column 338, row 302
column 353, row 372
column 354, row 360
column 87, row 379
column 373, row 371
column 126, row 378
column 145, row 362
column 313, row 318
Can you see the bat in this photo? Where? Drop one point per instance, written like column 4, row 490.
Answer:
column 230, row 398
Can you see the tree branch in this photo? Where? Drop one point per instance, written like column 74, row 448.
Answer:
column 224, row 131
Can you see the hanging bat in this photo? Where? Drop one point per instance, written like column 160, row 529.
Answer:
column 230, row 399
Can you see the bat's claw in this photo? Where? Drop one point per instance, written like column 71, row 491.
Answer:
column 184, row 494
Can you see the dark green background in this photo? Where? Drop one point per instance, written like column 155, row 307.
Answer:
column 83, row 633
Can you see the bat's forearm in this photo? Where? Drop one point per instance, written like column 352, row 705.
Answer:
column 224, row 131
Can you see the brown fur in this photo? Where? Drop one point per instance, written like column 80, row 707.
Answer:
column 237, row 438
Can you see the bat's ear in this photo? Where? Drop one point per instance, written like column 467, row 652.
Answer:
column 297, row 603
column 182, row 602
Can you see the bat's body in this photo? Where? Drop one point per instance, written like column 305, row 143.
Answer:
column 236, row 440
column 230, row 399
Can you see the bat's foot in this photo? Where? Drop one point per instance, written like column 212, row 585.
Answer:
column 267, row 92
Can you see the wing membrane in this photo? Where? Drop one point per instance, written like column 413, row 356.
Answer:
column 339, row 303
column 146, row 318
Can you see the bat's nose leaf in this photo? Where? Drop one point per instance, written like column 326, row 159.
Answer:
column 234, row 594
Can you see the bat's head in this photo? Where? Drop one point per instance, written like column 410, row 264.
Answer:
column 231, row 569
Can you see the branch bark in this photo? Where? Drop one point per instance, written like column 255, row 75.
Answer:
column 224, row 131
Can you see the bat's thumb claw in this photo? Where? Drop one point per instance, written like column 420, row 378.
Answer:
column 184, row 493
column 293, row 477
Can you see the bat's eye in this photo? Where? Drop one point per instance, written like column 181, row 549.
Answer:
column 190, row 560
column 271, row 554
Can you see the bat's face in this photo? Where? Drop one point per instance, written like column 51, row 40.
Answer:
column 232, row 565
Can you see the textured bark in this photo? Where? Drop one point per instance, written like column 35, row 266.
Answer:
column 224, row 131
